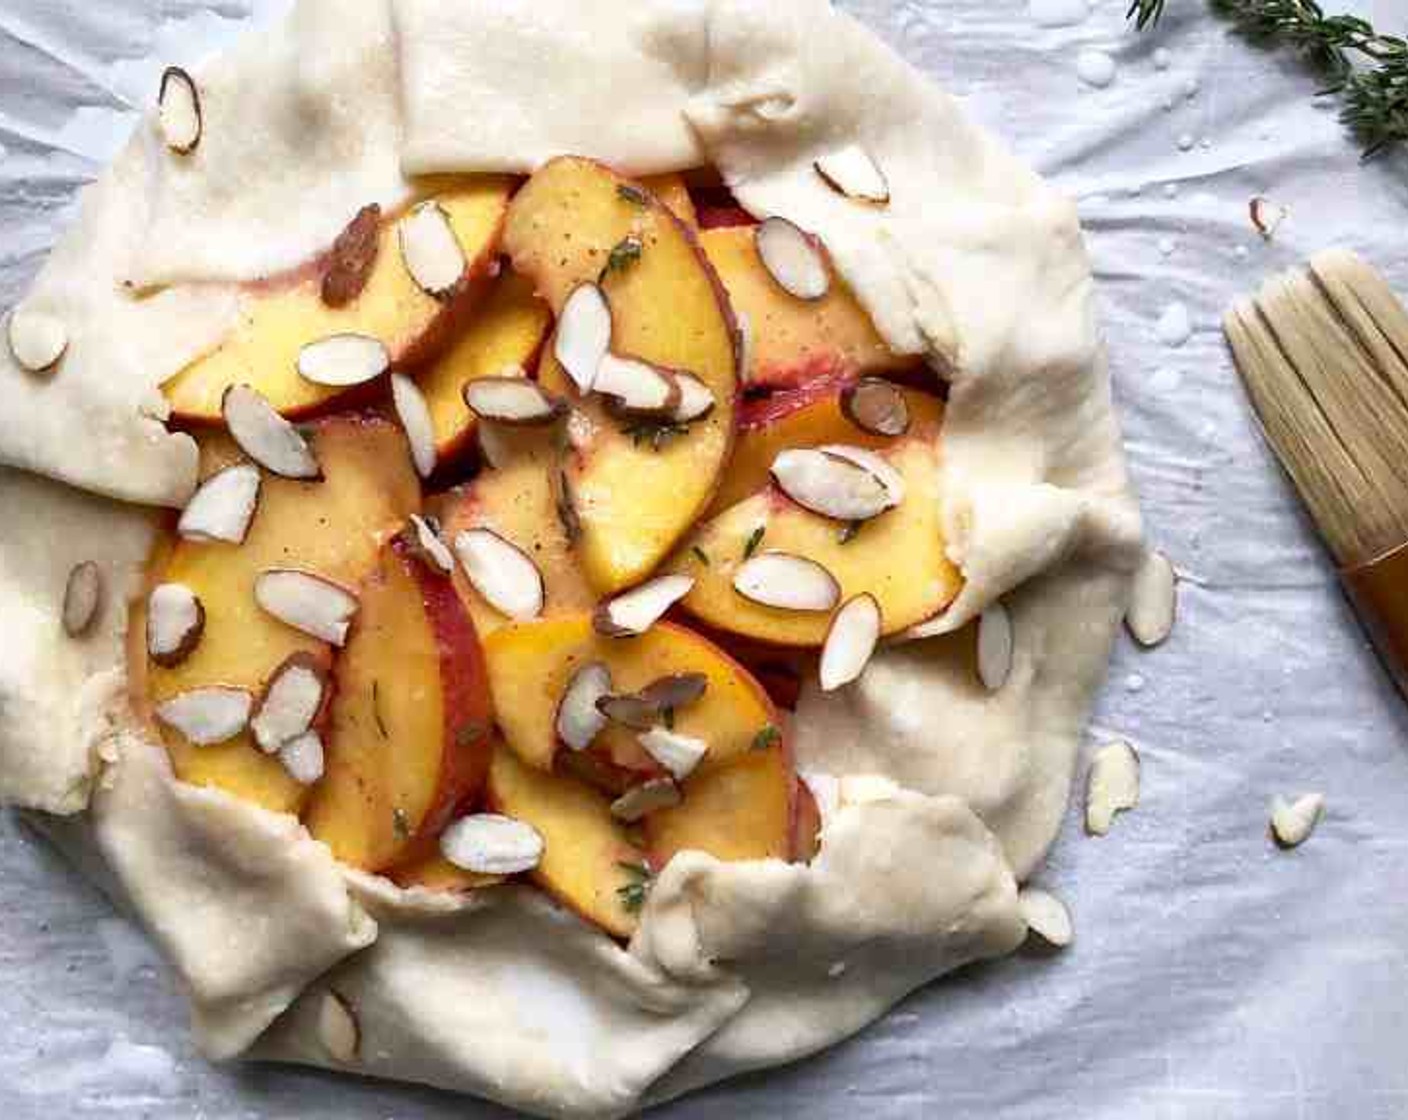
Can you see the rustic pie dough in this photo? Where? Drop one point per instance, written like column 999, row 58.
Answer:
column 938, row 797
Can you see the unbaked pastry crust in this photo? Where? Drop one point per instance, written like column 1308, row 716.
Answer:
column 939, row 797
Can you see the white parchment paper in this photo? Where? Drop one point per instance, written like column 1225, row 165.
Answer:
column 1212, row 975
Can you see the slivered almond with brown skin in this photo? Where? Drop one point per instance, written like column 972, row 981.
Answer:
column 994, row 647
column 792, row 259
column 873, row 405
column 426, row 542
column 175, row 623
column 414, row 414
column 83, row 598
column 637, row 388
column 1266, row 216
column 206, row 716
column 179, row 115
column 850, row 642
column 829, row 485
column 338, row 1031
column 223, row 507
column 502, row 573
column 352, row 257
column 648, row 797
column 696, row 399
column 630, row 710
column 303, row 757
column 679, row 754
column 37, row 339
column 309, row 603
column 579, row 721
column 1292, row 822
column 873, row 462
column 852, row 172
column 489, row 844
column 675, row 691
column 583, row 335
column 787, row 582
column 341, row 361
column 265, row 436
column 292, row 698
column 430, row 250
column 513, row 400
column 636, row 611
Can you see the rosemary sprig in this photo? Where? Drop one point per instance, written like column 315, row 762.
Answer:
column 1368, row 70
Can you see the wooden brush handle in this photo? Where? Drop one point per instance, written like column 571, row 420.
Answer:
column 1379, row 591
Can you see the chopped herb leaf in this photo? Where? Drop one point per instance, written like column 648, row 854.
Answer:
column 654, row 432
column 623, row 254
column 639, row 870
column 769, row 736
column 633, row 194
column 633, row 896
column 754, row 540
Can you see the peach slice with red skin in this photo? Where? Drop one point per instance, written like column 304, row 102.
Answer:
column 531, row 664
column 333, row 528
column 793, row 341
column 634, row 499
column 283, row 314
column 409, row 738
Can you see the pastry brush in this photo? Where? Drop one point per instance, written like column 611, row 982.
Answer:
column 1323, row 352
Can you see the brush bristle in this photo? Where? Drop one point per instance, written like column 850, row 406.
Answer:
column 1324, row 356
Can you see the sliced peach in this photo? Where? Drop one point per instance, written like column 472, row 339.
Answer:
column 899, row 557
column 332, row 528
column 505, row 332
column 530, row 665
column 519, row 501
column 794, row 341
column 674, row 193
column 634, row 499
column 282, row 315
column 584, row 848
column 410, row 731
column 734, row 812
column 807, row 417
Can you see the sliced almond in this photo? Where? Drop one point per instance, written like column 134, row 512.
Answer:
column 265, row 436
column 175, row 623
column 642, row 800
column 630, row 710
column 352, row 258
column 829, row 485
column 430, row 546
column 223, row 507
column 303, row 758
column 679, row 754
column 675, row 691
column 513, row 400
column 206, row 716
column 489, row 844
column 83, row 598
column 873, row 462
column 1111, row 787
column 874, row 405
column 338, row 1031
column 414, row 414
column 792, row 259
column 37, row 339
column 290, row 702
column 850, row 642
column 1048, row 921
column 638, row 610
column 1292, row 822
column 343, row 360
column 430, row 249
column 851, row 171
column 744, row 347
column 787, row 582
column 1267, row 216
column 306, row 602
column 1153, row 602
column 696, row 399
column 578, row 720
column 994, row 647
column 502, row 573
column 583, row 334
column 178, row 111
column 637, row 388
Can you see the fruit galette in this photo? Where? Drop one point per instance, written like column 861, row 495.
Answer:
column 636, row 560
